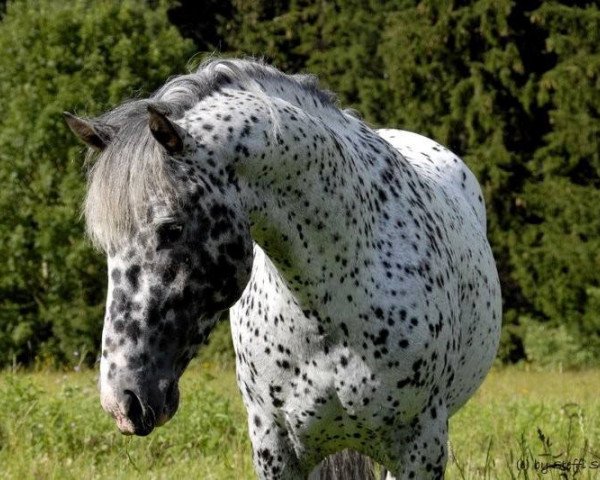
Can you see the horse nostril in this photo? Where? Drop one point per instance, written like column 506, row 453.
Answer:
column 142, row 416
column 133, row 407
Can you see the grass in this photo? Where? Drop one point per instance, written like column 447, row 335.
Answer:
column 51, row 426
column 528, row 425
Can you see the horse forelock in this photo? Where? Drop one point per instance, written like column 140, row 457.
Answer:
column 122, row 181
column 123, row 178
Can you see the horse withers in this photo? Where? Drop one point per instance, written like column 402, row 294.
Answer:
column 364, row 299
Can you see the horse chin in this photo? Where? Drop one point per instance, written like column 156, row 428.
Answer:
column 124, row 425
column 164, row 418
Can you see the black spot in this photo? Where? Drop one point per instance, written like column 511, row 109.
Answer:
column 133, row 330
column 403, row 383
column 116, row 276
column 257, row 421
column 381, row 338
column 236, row 249
column 133, row 277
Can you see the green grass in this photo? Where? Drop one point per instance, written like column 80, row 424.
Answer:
column 51, row 426
column 519, row 417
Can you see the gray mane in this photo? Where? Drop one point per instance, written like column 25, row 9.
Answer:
column 125, row 176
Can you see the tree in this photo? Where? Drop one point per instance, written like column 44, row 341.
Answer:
column 337, row 41
column 206, row 23
column 464, row 74
column 81, row 56
column 513, row 88
column 557, row 258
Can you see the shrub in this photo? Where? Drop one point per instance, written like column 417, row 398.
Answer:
column 81, row 56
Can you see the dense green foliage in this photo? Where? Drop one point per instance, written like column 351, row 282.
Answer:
column 511, row 86
column 79, row 56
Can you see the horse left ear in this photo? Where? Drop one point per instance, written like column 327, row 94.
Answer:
column 167, row 133
column 90, row 132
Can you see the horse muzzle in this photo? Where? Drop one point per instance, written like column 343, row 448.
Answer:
column 138, row 414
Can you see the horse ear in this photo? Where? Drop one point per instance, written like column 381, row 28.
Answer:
column 91, row 133
column 167, row 133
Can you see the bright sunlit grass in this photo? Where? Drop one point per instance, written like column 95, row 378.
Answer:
column 52, row 426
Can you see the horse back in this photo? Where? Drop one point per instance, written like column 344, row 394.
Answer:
column 439, row 163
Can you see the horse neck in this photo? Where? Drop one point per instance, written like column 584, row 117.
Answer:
column 312, row 197
column 319, row 106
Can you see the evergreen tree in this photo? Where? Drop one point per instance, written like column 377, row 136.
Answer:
column 513, row 88
column 266, row 29
column 206, row 23
column 510, row 86
column 557, row 257
column 466, row 74
column 337, row 41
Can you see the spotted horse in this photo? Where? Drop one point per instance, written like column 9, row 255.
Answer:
column 362, row 292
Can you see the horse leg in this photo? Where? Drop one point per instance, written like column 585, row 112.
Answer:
column 345, row 465
column 272, row 452
column 423, row 454
column 275, row 462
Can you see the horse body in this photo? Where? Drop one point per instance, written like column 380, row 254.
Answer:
column 377, row 349
column 369, row 309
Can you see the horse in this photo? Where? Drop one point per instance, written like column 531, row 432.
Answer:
column 362, row 292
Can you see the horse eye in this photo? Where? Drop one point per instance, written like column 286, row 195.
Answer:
column 169, row 233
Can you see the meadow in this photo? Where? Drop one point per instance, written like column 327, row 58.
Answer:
column 520, row 425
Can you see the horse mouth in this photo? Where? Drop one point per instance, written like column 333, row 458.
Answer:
column 140, row 419
column 137, row 418
column 124, row 424
column 127, row 427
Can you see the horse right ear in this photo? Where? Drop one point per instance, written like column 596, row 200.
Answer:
column 89, row 132
column 168, row 134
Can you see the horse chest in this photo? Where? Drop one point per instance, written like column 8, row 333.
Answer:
column 332, row 387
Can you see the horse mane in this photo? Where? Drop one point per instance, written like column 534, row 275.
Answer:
column 131, row 169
